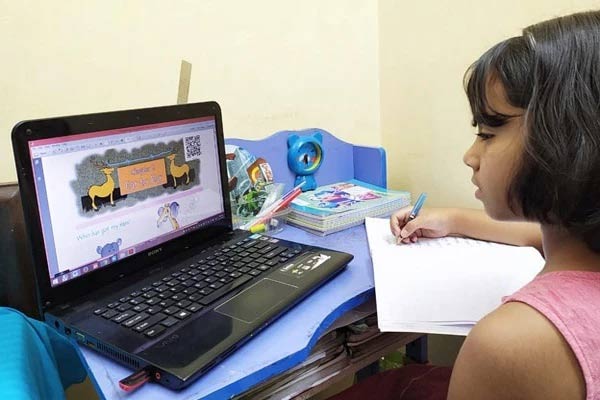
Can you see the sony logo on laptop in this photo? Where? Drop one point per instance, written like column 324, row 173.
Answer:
column 154, row 252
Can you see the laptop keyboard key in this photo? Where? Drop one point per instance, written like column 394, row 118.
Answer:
column 135, row 320
column 161, row 288
column 122, row 317
column 166, row 303
column 184, row 303
column 224, row 290
column 153, row 320
column 190, row 290
column 205, row 291
column 153, row 310
column 140, row 307
column 182, row 314
column 149, row 294
column 153, row 301
column 110, row 313
column 195, row 297
column 124, row 307
column 169, row 322
column 178, row 296
column 215, row 285
column 194, row 307
column 187, row 283
column 200, row 285
column 171, row 310
column 99, row 311
column 154, row 331
column 137, row 300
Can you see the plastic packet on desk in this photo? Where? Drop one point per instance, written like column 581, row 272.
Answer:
column 254, row 202
column 274, row 224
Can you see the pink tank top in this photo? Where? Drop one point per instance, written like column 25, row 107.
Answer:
column 571, row 301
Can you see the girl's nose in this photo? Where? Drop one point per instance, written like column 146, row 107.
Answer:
column 470, row 158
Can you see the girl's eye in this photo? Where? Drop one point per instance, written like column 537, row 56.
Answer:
column 484, row 136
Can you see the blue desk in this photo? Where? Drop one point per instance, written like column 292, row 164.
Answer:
column 289, row 340
column 282, row 345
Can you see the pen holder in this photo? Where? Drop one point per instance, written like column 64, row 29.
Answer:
column 273, row 224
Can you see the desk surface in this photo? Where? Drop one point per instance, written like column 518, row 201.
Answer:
column 282, row 345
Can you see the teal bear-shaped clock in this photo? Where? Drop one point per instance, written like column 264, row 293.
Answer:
column 305, row 155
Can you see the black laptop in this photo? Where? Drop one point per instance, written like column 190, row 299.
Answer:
column 129, row 219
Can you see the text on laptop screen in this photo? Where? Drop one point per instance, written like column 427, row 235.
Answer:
column 107, row 195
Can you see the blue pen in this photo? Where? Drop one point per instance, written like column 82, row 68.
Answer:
column 417, row 207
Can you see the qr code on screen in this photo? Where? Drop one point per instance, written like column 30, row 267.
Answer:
column 193, row 147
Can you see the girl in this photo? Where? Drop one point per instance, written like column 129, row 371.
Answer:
column 535, row 101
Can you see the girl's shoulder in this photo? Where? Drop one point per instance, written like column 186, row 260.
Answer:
column 513, row 353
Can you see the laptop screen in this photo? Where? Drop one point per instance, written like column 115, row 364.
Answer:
column 104, row 196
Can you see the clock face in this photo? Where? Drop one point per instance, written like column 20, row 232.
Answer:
column 308, row 157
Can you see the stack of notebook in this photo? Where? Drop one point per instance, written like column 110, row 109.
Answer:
column 351, row 343
column 338, row 206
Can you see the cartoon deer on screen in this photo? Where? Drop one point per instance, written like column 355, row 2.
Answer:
column 105, row 189
column 177, row 171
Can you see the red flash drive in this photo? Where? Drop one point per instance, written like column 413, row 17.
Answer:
column 135, row 380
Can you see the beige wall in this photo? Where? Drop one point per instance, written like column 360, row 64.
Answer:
column 371, row 72
column 425, row 48
column 271, row 64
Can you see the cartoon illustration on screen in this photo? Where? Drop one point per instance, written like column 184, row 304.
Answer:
column 109, row 248
column 120, row 178
column 177, row 171
column 105, row 189
column 168, row 212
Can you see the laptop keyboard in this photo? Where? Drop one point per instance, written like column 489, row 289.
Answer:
column 152, row 309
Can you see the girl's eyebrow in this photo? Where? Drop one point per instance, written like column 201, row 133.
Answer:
column 493, row 120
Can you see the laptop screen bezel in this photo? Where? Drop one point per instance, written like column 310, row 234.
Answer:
column 75, row 289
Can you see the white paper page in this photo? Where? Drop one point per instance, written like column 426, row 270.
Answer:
column 449, row 280
column 424, row 327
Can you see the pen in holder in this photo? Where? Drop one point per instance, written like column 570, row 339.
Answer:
column 271, row 215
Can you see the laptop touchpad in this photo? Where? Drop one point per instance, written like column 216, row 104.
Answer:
column 258, row 299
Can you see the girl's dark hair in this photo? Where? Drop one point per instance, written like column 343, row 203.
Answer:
column 552, row 72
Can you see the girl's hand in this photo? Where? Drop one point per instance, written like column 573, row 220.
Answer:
column 430, row 223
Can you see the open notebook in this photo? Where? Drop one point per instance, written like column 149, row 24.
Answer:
column 443, row 285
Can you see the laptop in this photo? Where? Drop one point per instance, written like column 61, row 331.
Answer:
column 135, row 255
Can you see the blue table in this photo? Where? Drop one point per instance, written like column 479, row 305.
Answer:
column 282, row 345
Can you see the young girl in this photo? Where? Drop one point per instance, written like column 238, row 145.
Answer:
column 535, row 101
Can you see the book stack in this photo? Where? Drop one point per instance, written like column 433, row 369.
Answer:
column 351, row 343
column 338, row 206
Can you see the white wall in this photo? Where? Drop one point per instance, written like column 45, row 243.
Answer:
column 378, row 72
column 272, row 65
column 425, row 48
